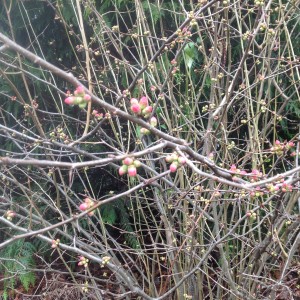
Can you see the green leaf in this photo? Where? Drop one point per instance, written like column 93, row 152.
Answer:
column 108, row 214
column 190, row 53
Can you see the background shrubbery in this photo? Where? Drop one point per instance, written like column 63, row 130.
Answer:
column 210, row 206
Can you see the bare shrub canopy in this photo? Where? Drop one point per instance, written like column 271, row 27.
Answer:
column 149, row 149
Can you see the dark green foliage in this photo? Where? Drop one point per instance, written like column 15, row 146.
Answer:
column 117, row 214
column 16, row 263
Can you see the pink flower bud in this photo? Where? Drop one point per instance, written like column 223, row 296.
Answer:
column 144, row 102
column 10, row 214
column 123, row 170
column 173, row 62
column 134, row 101
column 277, row 142
column 87, row 97
column 137, row 163
column 79, row 90
column 182, row 160
column 89, row 202
column 128, row 161
column 147, row 110
column 132, row 171
column 153, row 88
column 153, row 122
column 233, row 168
column 69, row 100
column 135, row 108
column 173, row 167
column 83, row 206
column 169, row 159
column 235, row 178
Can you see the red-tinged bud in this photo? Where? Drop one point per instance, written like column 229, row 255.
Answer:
column 277, row 142
column 153, row 122
column 87, row 97
column 134, row 101
column 153, row 88
column 136, row 108
column 10, row 214
column 233, row 168
column 137, row 163
column 79, row 90
column 182, row 160
column 143, row 102
column 145, row 131
column 173, row 167
column 235, row 178
column 123, row 170
column 70, row 100
column 89, row 202
column 83, row 206
column 128, row 161
column 147, row 110
column 55, row 243
column 169, row 159
column 132, row 172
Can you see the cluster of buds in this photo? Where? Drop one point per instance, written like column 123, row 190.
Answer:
column 80, row 98
column 152, row 122
column 97, row 115
column 237, row 171
column 9, row 215
column 272, row 188
column 55, row 243
column 83, row 261
column 176, row 161
column 251, row 215
column 279, row 147
column 257, row 193
column 285, row 187
column 85, row 287
column 142, row 107
column 184, row 33
column 105, row 260
column 129, row 166
column 254, row 175
column 87, row 204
